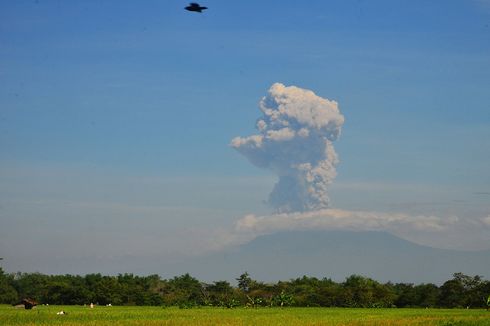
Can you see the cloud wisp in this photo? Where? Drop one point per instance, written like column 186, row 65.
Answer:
column 295, row 138
column 341, row 219
column 486, row 220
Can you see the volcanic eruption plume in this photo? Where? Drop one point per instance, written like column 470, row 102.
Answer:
column 295, row 138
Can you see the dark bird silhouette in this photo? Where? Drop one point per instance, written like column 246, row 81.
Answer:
column 195, row 7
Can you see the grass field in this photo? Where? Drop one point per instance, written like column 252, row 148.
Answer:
column 46, row 315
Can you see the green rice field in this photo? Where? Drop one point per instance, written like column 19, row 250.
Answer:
column 78, row 315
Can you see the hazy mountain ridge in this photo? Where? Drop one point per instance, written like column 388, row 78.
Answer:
column 282, row 256
column 337, row 254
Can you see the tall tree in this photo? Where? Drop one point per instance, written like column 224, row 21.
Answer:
column 244, row 282
column 8, row 294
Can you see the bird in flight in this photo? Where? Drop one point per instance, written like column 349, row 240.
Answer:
column 195, row 7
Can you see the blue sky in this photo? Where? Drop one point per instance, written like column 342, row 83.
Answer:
column 116, row 116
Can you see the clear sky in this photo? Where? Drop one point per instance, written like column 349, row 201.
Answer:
column 116, row 118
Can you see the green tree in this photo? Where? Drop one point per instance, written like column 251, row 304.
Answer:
column 328, row 293
column 31, row 285
column 107, row 290
column 220, row 293
column 8, row 294
column 452, row 294
column 183, row 291
column 463, row 291
column 427, row 295
column 406, row 295
column 361, row 291
column 244, row 282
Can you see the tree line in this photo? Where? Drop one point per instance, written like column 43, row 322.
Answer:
column 186, row 291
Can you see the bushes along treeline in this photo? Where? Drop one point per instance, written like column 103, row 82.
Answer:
column 186, row 291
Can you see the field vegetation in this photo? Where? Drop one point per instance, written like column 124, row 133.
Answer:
column 102, row 315
column 127, row 299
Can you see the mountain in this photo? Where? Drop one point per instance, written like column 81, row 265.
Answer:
column 338, row 254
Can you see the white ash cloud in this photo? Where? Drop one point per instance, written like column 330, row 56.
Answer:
column 295, row 138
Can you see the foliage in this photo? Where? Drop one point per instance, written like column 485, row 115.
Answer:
column 463, row 291
column 364, row 292
column 186, row 291
column 254, row 302
column 221, row 294
column 8, row 293
column 283, row 299
column 244, row 282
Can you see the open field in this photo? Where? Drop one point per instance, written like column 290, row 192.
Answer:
column 77, row 315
